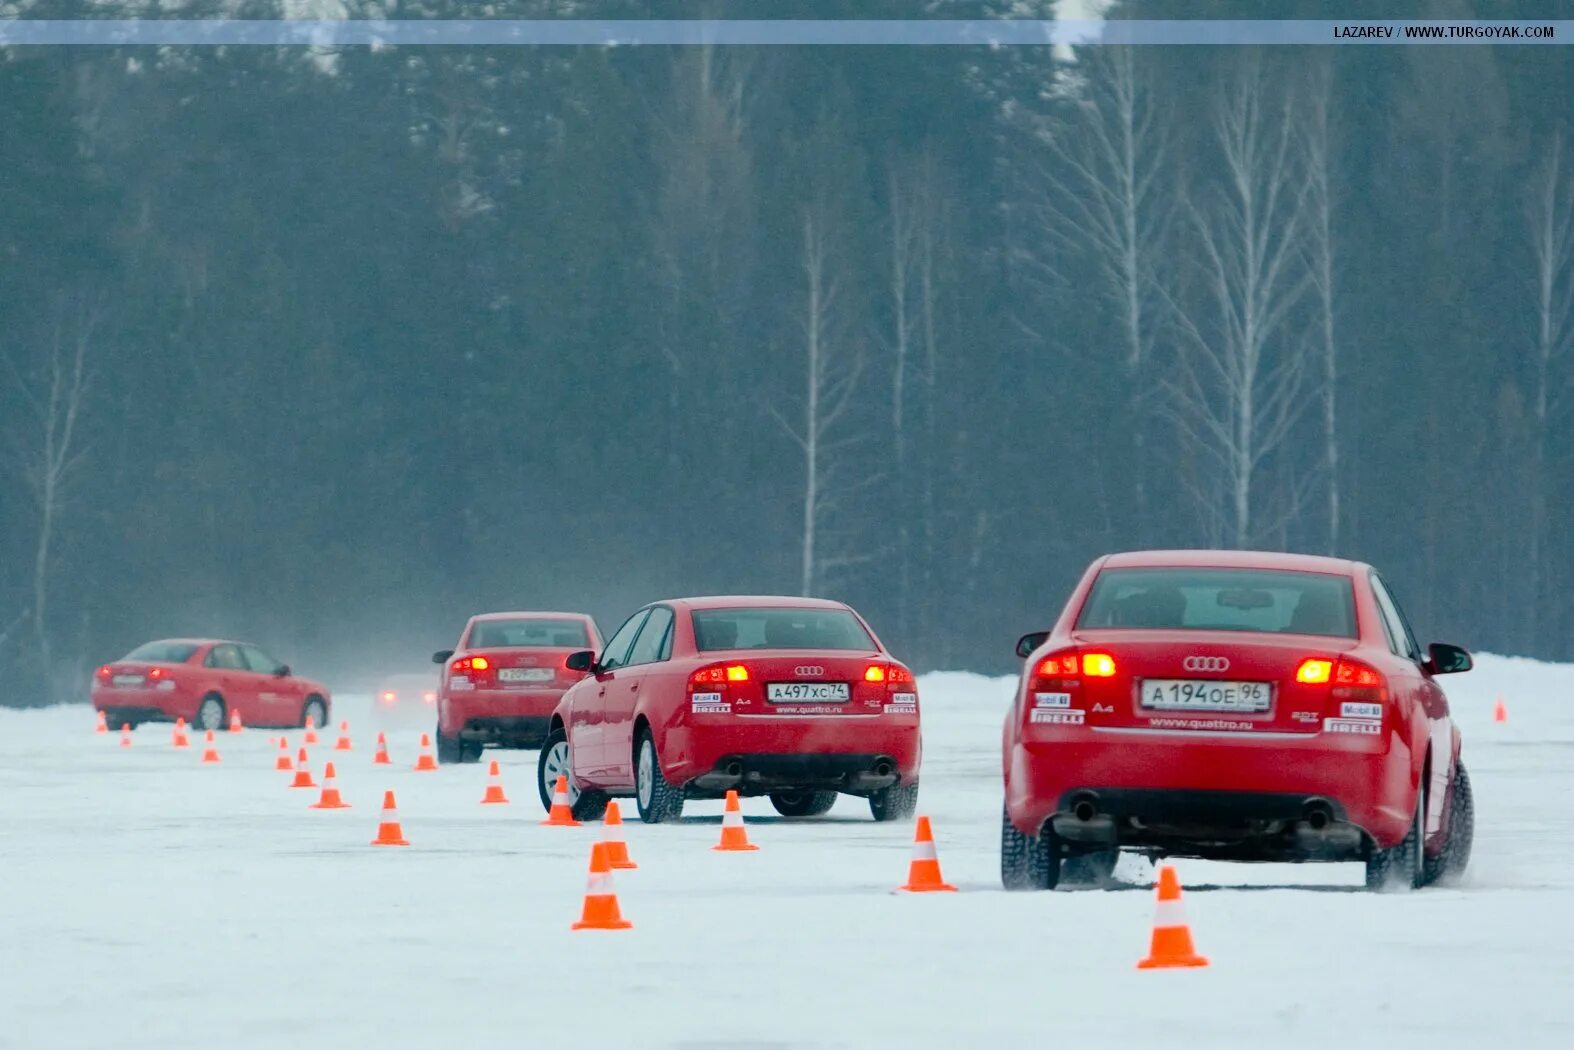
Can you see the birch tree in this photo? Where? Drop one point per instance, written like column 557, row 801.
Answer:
column 1321, row 271
column 48, row 451
column 1102, row 193
column 832, row 365
column 1236, row 391
column 1551, row 223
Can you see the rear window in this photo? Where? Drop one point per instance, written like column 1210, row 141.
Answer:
column 529, row 634
column 779, row 629
column 162, row 653
column 1258, row 600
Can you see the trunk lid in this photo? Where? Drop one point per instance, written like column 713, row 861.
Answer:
column 802, row 683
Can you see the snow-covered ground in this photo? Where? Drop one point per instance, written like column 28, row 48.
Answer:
column 147, row 900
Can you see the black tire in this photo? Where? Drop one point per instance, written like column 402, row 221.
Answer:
column 1448, row 867
column 1027, row 863
column 1402, row 867
column 586, row 805
column 316, row 709
column 894, row 803
column 210, row 714
column 659, row 802
column 1090, row 869
column 448, row 749
column 803, row 803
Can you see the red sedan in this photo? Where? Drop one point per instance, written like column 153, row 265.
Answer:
column 204, row 681
column 1235, row 706
column 500, row 686
column 794, row 698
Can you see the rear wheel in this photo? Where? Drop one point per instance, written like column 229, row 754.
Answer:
column 448, row 749
column 659, row 802
column 555, row 761
column 316, row 712
column 1027, row 863
column 1401, row 867
column 210, row 714
column 1090, row 869
column 1448, row 867
column 894, row 803
column 803, row 803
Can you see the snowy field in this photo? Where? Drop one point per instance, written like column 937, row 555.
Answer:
column 149, row 901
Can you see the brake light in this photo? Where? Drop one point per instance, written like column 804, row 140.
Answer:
column 737, row 673
column 1098, row 665
column 874, row 673
column 896, row 676
column 1314, row 672
column 471, row 666
column 429, row 697
column 1058, row 665
column 1354, row 680
column 156, row 672
column 479, row 663
column 389, row 697
column 103, row 672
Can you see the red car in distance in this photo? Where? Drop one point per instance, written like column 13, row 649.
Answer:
column 1236, row 706
column 500, row 685
column 204, row 681
column 794, row 698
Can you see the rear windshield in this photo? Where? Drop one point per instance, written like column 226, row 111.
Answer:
column 162, row 653
column 529, row 634
column 1258, row 600
column 779, row 629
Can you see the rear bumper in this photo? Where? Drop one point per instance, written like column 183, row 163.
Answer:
column 497, row 712
column 143, row 705
column 526, row 731
column 1216, row 795
column 755, row 754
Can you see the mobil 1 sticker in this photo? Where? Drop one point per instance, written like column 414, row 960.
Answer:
column 1044, row 717
column 1349, row 709
column 709, row 704
column 1061, row 700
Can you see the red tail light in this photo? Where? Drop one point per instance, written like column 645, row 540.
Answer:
column 1354, row 680
column 1098, row 665
column 103, row 672
column 474, row 667
column 156, row 673
column 874, row 673
column 390, row 696
column 1067, row 668
column 1315, row 672
column 717, row 676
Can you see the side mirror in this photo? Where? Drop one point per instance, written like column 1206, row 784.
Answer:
column 283, row 671
column 442, row 656
column 1448, row 659
column 584, row 660
column 1028, row 642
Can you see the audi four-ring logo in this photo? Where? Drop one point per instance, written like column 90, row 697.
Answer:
column 1206, row 663
column 804, row 672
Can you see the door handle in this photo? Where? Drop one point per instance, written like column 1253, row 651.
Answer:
column 634, row 688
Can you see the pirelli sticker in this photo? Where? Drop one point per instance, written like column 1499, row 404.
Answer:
column 1051, row 717
column 1353, row 726
column 709, row 704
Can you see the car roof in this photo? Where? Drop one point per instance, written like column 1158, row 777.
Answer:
column 536, row 615
column 1233, row 559
column 748, row 601
column 193, row 641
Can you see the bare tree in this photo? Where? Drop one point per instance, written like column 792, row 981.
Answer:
column 833, row 364
column 1551, row 221
column 47, row 448
column 1321, row 269
column 1103, row 194
column 1236, row 391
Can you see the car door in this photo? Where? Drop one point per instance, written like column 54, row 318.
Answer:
column 276, row 700
column 1430, row 696
column 651, row 647
column 227, row 672
column 587, row 719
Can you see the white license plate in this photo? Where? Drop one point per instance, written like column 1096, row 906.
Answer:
column 1169, row 694
column 798, row 692
column 126, row 681
column 524, row 674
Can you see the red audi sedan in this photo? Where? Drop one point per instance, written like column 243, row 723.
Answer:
column 1235, row 706
column 203, row 681
column 500, row 686
column 794, row 698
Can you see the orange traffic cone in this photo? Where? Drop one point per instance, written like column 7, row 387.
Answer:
column 427, row 762
column 103, row 723
column 617, row 849
column 330, row 792
column 923, row 874
column 601, row 902
column 734, row 837
column 283, row 763
column 311, row 729
column 125, row 734
column 561, row 814
column 178, row 737
column 1171, row 945
column 382, row 758
column 210, row 754
column 235, row 726
column 494, row 787
column 303, row 772
column 389, row 833
column 343, row 743
column 1499, row 711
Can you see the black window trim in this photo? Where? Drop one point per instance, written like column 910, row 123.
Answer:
column 664, row 650
column 642, row 614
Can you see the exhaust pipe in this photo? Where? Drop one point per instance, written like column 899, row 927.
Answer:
column 1084, row 810
column 735, row 769
column 1318, row 815
column 883, row 768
